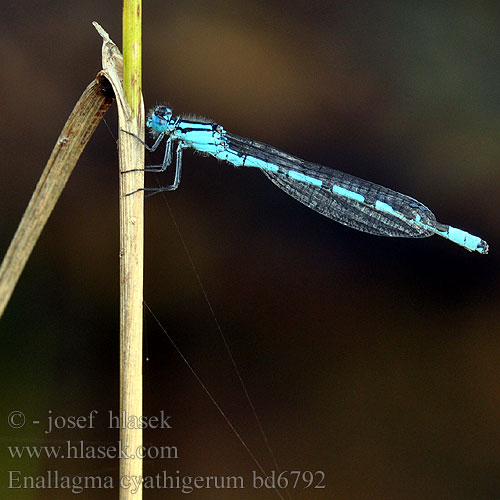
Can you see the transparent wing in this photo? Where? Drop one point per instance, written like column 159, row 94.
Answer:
column 364, row 215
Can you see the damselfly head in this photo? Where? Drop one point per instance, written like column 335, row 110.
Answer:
column 159, row 119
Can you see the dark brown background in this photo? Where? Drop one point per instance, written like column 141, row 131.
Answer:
column 372, row 359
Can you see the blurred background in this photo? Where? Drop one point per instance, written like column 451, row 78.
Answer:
column 374, row 360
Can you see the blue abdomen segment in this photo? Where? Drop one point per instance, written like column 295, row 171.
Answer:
column 464, row 239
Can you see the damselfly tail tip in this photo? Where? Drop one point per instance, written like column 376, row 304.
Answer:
column 463, row 238
column 483, row 247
